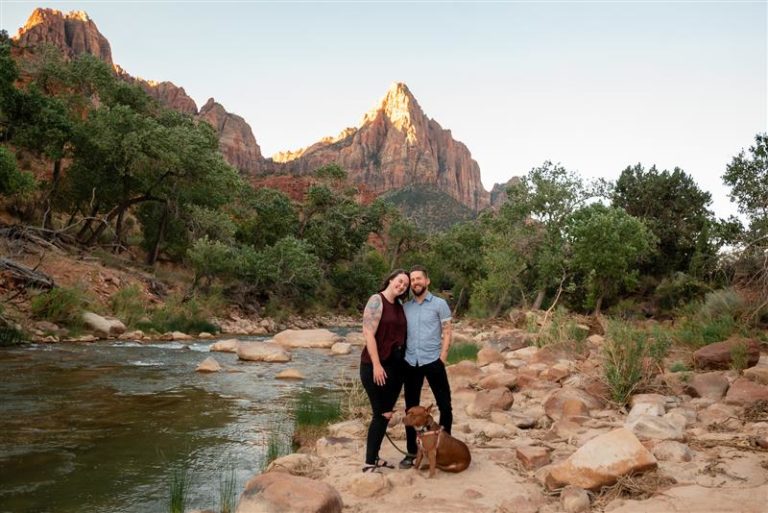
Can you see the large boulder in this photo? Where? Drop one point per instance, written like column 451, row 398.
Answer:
column 279, row 491
column 298, row 464
column 486, row 401
column 262, row 352
column 744, row 392
column 488, row 355
column 103, row 326
column 319, row 338
column 712, row 385
column 718, row 355
column 560, row 402
column 602, row 461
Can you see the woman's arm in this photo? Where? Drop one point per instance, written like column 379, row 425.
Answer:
column 371, row 318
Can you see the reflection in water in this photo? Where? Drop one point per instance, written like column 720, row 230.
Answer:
column 99, row 427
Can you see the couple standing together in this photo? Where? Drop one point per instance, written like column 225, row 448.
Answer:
column 405, row 342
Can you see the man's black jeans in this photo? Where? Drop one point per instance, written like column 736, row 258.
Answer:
column 438, row 382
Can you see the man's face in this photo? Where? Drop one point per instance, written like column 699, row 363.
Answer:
column 419, row 283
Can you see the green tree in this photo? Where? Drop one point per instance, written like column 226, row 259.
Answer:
column 542, row 202
column 607, row 246
column 747, row 175
column 675, row 209
column 264, row 216
column 12, row 181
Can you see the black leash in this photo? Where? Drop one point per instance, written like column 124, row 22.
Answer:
column 398, row 448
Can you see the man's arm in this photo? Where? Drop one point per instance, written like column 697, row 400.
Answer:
column 447, row 337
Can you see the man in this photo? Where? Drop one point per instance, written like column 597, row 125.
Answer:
column 429, row 337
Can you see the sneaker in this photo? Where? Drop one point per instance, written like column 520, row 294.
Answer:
column 407, row 462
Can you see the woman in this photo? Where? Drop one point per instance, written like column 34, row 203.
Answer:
column 381, row 364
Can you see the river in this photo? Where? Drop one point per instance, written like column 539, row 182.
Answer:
column 101, row 427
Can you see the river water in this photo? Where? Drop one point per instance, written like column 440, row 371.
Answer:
column 100, row 428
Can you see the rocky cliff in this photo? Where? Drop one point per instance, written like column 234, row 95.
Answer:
column 75, row 33
column 397, row 145
column 236, row 139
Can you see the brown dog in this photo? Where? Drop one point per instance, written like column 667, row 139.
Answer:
column 442, row 450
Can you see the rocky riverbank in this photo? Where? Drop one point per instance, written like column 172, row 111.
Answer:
column 545, row 439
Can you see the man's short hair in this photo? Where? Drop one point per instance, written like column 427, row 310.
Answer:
column 419, row 268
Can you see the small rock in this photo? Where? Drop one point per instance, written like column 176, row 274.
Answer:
column 718, row 355
column 289, row 374
column 533, row 457
column 488, row 355
column 319, row 338
column 262, row 352
column 366, row 484
column 757, row 374
column 209, row 365
column 341, row 348
column 204, row 335
column 669, row 450
column 574, row 499
column 225, row 346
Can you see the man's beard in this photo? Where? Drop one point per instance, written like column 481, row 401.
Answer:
column 418, row 291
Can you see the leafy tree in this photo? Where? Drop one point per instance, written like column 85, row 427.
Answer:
column 12, row 181
column 747, row 175
column 543, row 201
column 288, row 270
column 607, row 247
column 264, row 216
column 675, row 209
column 209, row 259
column 460, row 251
column 354, row 281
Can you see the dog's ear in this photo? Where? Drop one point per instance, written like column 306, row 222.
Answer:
column 429, row 408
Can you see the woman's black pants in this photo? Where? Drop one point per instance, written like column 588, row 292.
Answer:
column 383, row 399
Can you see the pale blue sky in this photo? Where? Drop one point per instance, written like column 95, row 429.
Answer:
column 596, row 86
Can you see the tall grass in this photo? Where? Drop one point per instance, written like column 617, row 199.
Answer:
column 462, row 351
column 227, row 490
column 61, row 305
column 129, row 305
column 353, row 399
column 312, row 410
column 10, row 337
column 181, row 314
column 278, row 445
column 623, row 353
column 181, row 481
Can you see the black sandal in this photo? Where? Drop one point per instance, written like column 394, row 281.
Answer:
column 383, row 464
column 371, row 469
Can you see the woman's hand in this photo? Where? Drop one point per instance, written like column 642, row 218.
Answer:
column 379, row 375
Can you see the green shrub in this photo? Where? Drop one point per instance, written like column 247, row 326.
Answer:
column 10, row 337
column 678, row 290
column 660, row 342
column 698, row 333
column 679, row 367
column 61, row 305
column 623, row 353
column 462, row 351
column 723, row 303
column 190, row 316
column 129, row 305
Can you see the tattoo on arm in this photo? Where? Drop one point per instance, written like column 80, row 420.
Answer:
column 447, row 333
column 372, row 314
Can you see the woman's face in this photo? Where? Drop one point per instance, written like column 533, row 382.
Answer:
column 399, row 284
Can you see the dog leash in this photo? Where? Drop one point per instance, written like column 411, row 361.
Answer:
column 398, row 448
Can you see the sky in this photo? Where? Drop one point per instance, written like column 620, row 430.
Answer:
column 596, row 86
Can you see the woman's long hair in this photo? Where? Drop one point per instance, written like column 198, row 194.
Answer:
column 391, row 276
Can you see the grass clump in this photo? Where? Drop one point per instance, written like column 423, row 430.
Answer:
column 739, row 356
column 278, row 445
column 227, row 490
column 660, row 343
column 312, row 414
column 623, row 366
column 679, row 367
column 353, row 399
column 183, row 314
column 61, row 305
column 462, row 351
column 181, row 481
column 10, row 336
column 129, row 305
